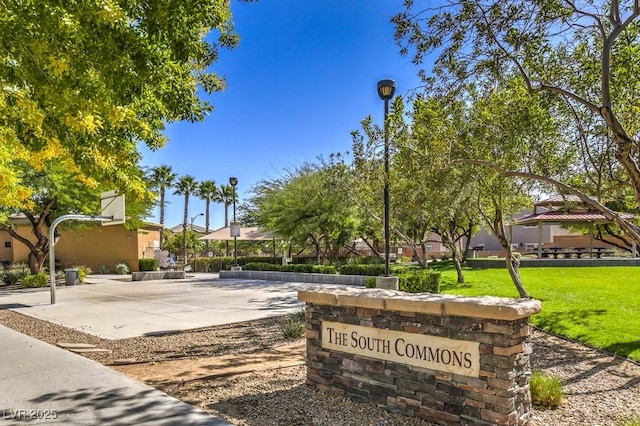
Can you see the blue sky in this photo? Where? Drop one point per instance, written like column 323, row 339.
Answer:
column 302, row 78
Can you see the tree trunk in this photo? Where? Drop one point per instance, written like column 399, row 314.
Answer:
column 39, row 250
column 36, row 260
column 184, row 230
column 458, row 264
column 206, row 224
column 513, row 266
column 624, row 153
column 455, row 255
column 162, row 202
column 226, row 224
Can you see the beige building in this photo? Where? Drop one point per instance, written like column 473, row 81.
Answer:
column 95, row 246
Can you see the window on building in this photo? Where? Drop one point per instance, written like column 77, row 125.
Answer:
column 7, row 244
column 529, row 226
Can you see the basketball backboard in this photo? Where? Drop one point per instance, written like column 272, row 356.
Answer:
column 112, row 205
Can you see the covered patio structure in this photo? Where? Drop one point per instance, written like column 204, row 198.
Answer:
column 567, row 210
column 247, row 233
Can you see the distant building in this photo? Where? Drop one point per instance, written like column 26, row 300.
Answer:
column 95, row 246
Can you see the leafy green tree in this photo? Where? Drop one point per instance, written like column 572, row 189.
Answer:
column 83, row 83
column 161, row 178
column 420, row 206
column 207, row 191
column 175, row 242
column 583, row 53
column 185, row 186
column 305, row 207
column 512, row 128
column 437, row 201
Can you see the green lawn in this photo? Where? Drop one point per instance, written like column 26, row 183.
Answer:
column 599, row 306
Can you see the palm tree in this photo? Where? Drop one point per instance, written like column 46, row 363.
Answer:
column 207, row 191
column 161, row 178
column 186, row 186
column 225, row 195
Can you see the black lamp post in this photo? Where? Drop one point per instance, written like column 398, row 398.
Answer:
column 386, row 89
column 233, row 181
column 194, row 218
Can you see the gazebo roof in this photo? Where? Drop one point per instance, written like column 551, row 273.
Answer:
column 560, row 216
column 249, row 233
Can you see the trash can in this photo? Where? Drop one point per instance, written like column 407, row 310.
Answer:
column 71, row 276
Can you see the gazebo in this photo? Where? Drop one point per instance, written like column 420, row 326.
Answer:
column 568, row 210
column 249, row 233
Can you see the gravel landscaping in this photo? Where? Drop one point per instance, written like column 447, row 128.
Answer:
column 600, row 389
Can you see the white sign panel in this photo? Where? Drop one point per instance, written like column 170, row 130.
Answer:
column 431, row 352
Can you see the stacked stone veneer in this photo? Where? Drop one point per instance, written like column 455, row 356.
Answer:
column 498, row 394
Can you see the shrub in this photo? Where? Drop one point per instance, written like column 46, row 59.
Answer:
column 260, row 266
column 104, row 269
column 215, row 264
column 423, row 281
column 369, row 270
column 633, row 421
column 122, row 268
column 305, row 268
column 83, row 271
column 324, row 269
column 370, row 282
column 15, row 273
column 546, row 391
column 293, row 327
column 36, row 280
column 148, row 264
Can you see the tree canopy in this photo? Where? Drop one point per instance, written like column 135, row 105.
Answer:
column 83, row 83
column 584, row 53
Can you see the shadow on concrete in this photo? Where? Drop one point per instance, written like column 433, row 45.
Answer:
column 141, row 408
column 14, row 306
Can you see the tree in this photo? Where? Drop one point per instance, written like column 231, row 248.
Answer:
column 161, row 178
column 207, row 191
column 421, row 142
column 584, row 53
column 185, row 186
column 437, row 201
column 174, row 242
column 512, row 128
column 304, row 207
column 83, row 84
column 225, row 196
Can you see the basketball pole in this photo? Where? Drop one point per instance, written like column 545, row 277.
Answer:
column 52, row 256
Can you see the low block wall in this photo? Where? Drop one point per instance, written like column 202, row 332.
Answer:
column 157, row 275
column 298, row 277
column 540, row 263
column 446, row 359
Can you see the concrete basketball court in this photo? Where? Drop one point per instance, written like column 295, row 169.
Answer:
column 116, row 310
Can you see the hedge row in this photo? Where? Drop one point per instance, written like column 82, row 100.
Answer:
column 423, row 281
column 317, row 269
column 369, row 270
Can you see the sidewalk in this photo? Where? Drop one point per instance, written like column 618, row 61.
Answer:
column 43, row 384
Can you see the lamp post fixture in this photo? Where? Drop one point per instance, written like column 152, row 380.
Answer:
column 386, row 89
column 233, row 181
column 194, row 218
column 191, row 229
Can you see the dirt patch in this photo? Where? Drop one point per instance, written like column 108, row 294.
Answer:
column 171, row 375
